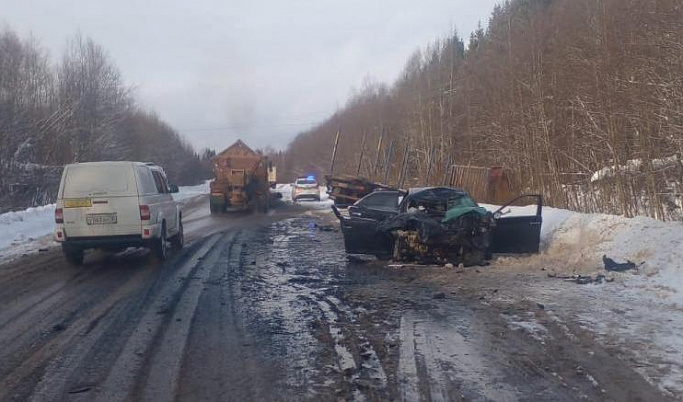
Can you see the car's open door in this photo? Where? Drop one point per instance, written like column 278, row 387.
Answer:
column 360, row 226
column 515, row 233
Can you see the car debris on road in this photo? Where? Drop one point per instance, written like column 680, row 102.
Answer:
column 583, row 279
column 611, row 265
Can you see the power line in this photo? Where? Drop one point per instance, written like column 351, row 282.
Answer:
column 247, row 126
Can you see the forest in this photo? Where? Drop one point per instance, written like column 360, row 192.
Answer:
column 75, row 109
column 579, row 100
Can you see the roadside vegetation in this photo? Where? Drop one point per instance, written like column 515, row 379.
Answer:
column 74, row 109
column 579, row 100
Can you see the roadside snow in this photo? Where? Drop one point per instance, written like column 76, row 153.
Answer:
column 285, row 190
column 185, row 192
column 633, row 166
column 18, row 229
column 576, row 242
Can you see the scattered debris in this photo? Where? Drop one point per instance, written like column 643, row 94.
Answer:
column 611, row 265
column 583, row 279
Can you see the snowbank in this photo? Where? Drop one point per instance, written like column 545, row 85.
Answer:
column 633, row 166
column 185, row 192
column 25, row 226
column 285, row 190
column 576, row 242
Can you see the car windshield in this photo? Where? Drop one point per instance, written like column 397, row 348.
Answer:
column 301, row 182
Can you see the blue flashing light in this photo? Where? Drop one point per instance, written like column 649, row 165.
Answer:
column 311, row 177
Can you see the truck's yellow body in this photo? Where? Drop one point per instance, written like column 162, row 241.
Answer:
column 241, row 180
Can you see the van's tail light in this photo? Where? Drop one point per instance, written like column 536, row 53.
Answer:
column 144, row 212
column 59, row 215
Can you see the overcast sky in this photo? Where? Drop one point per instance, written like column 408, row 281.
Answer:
column 261, row 70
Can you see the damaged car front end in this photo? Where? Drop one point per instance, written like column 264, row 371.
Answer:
column 436, row 225
column 439, row 226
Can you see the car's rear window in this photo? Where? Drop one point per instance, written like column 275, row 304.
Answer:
column 93, row 181
column 305, row 181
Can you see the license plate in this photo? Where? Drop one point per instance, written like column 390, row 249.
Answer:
column 77, row 202
column 100, row 219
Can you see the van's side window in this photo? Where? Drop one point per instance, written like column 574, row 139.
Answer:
column 160, row 182
column 146, row 181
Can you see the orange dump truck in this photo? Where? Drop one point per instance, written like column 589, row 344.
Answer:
column 241, row 180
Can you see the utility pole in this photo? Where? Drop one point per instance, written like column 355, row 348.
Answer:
column 388, row 166
column 430, row 163
column 446, row 171
column 362, row 151
column 379, row 147
column 334, row 150
column 403, row 167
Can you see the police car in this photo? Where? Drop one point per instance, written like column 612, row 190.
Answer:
column 306, row 188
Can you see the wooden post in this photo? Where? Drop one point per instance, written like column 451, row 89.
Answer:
column 334, row 150
column 403, row 167
column 430, row 163
column 379, row 147
column 446, row 171
column 388, row 166
column 362, row 151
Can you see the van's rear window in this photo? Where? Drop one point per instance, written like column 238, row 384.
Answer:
column 93, row 181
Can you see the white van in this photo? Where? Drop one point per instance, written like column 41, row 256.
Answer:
column 115, row 205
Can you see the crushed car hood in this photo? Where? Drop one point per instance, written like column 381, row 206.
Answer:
column 455, row 213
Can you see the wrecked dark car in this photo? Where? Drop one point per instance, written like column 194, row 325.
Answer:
column 437, row 225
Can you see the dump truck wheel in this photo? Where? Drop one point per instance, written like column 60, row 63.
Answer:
column 216, row 208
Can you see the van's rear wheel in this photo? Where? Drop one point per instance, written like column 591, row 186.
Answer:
column 178, row 240
column 159, row 248
column 74, row 256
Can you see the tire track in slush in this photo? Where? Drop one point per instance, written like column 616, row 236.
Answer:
column 407, row 365
column 123, row 376
column 45, row 342
column 162, row 380
column 78, row 365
